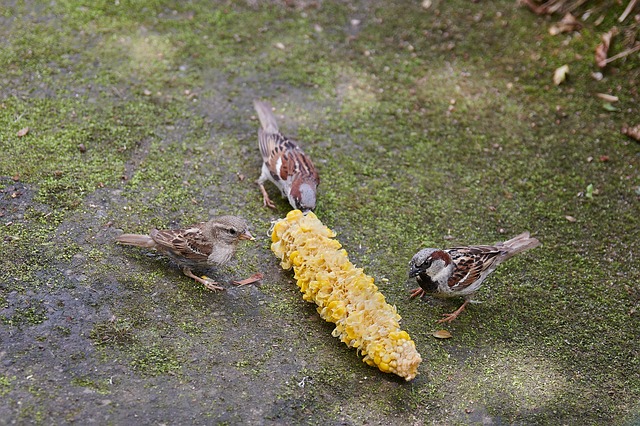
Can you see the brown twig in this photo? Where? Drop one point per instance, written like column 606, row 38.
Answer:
column 627, row 52
column 252, row 279
column 628, row 10
column 552, row 6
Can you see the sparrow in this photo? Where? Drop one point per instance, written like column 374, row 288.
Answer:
column 460, row 271
column 203, row 244
column 284, row 164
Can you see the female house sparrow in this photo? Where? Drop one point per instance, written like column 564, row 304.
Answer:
column 284, row 164
column 460, row 271
column 207, row 243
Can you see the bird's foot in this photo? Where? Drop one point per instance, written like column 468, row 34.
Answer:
column 417, row 292
column 269, row 203
column 452, row 316
column 210, row 284
column 448, row 318
column 265, row 197
column 205, row 281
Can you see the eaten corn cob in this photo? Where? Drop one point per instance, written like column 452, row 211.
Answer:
column 345, row 295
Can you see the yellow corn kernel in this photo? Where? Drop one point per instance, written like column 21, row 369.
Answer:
column 345, row 295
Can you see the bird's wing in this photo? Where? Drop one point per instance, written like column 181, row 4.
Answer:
column 189, row 243
column 471, row 263
column 285, row 158
column 296, row 162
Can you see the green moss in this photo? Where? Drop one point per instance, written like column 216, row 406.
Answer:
column 155, row 360
column 5, row 384
column 191, row 328
column 89, row 383
column 32, row 315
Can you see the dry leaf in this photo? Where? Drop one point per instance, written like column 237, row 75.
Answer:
column 560, row 74
column 603, row 48
column 252, row 279
column 633, row 132
column 442, row 334
column 567, row 24
column 570, row 218
column 607, row 97
column 23, row 132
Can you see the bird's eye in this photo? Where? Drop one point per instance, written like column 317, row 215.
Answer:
column 233, row 231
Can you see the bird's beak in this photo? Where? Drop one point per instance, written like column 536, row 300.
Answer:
column 414, row 271
column 246, row 235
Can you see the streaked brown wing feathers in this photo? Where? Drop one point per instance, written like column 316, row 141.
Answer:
column 189, row 243
column 470, row 263
column 298, row 163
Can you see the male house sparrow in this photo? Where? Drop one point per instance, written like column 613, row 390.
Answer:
column 207, row 243
column 284, row 164
column 460, row 271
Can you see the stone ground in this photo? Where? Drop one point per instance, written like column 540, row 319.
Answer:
column 430, row 127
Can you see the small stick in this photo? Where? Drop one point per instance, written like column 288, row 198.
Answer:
column 628, row 10
column 623, row 54
column 252, row 279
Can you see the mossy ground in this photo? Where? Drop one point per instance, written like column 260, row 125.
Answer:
column 429, row 127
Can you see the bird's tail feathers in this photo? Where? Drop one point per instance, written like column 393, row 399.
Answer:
column 266, row 117
column 520, row 243
column 136, row 240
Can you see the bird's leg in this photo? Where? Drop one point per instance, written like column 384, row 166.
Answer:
column 265, row 197
column 210, row 284
column 417, row 292
column 450, row 317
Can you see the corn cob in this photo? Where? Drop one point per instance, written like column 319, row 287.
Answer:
column 345, row 295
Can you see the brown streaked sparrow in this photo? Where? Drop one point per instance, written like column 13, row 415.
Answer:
column 460, row 271
column 207, row 243
column 284, row 164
